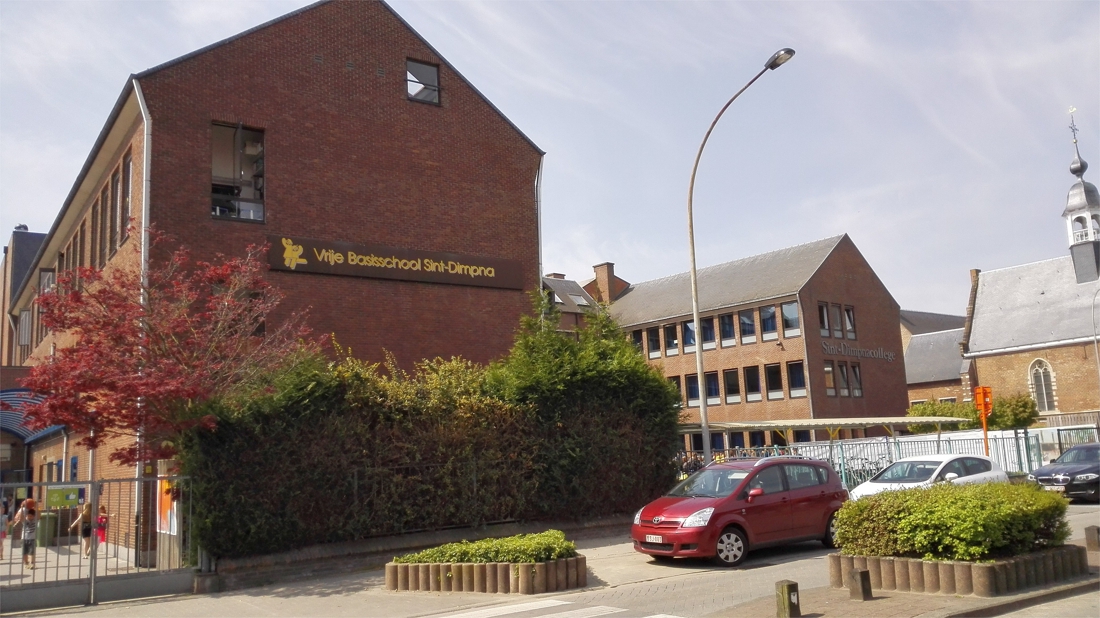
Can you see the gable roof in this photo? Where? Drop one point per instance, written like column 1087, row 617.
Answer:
column 934, row 357
column 24, row 248
column 760, row 277
column 564, row 290
column 1030, row 305
column 921, row 322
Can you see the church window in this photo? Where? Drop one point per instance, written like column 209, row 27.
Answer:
column 1042, row 385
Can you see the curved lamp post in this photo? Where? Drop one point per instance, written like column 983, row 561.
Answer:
column 773, row 63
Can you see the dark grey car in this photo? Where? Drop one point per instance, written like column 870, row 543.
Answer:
column 1076, row 474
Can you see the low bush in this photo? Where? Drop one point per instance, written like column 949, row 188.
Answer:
column 549, row 545
column 953, row 522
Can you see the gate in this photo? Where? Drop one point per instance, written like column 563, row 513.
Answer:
column 1068, row 438
column 139, row 531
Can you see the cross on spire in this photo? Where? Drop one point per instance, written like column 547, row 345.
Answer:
column 1072, row 124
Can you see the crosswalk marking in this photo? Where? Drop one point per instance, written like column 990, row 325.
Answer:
column 489, row 612
column 587, row 612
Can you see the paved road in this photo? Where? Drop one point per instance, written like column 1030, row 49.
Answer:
column 622, row 583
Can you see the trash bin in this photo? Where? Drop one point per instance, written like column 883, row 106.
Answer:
column 47, row 528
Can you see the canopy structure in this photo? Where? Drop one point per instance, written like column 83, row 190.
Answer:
column 832, row 425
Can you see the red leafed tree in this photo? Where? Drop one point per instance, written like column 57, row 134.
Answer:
column 145, row 354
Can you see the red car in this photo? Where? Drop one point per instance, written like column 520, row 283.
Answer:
column 726, row 509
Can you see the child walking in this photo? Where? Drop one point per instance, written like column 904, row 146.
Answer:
column 29, row 518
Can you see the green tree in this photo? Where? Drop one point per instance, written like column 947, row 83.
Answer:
column 947, row 409
column 1013, row 412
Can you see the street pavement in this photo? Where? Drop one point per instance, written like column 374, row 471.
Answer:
column 622, row 583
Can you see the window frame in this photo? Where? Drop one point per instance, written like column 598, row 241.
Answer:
column 788, row 330
column 752, row 396
column 653, row 336
column 796, row 392
column 767, row 334
column 850, row 322
column 776, row 370
column 716, row 399
column 829, row 373
column 434, row 88
column 735, row 396
column 842, row 379
column 856, row 380
column 723, row 320
column 689, row 379
column 687, row 329
column 672, row 345
column 742, row 323
column 835, row 313
column 708, row 339
column 233, row 201
column 823, row 319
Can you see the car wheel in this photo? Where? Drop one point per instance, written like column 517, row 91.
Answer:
column 829, row 540
column 732, row 547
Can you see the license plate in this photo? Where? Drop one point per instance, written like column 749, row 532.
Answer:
column 1054, row 487
column 654, row 538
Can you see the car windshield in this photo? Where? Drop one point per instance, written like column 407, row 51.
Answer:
column 1080, row 455
column 710, row 483
column 907, row 472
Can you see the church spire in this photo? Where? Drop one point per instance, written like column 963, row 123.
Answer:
column 1082, row 215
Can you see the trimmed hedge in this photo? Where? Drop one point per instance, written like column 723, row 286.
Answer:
column 549, row 545
column 953, row 522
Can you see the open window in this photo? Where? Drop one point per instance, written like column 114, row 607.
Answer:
column 423, row 81
column 237, row 173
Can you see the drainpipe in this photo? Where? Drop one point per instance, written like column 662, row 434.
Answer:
column 64, row 453
column 145, row 207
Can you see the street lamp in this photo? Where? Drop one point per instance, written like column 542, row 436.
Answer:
column 777, row 60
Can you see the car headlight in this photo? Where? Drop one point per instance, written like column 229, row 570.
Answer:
column 1031, row 477
column 638, row 517
column 699, row 519
column 1086, row 477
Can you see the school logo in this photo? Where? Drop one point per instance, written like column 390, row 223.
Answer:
column 292, row 254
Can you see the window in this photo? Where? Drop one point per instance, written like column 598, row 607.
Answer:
column 834, row 319
column 1042, row 385
column 718, row 443
column 127, row 192
column 725, row 329
column 756, row 438
column 237, row 173
column 676, row 382
column 714, row 396
column 691, row 384
column 773, row 379
column 671, row 348
column 737, row 439
column 955, row 466
column 768, row 479
column 796, row 379
column 791, row 327
column 823, row 318
column 767, row 324
column 752, row 384
column 802, row 435
column 73, row 467
column 733, row 386
column 842, row 378
column 93, row 256
column 116, row 199
column 801, row 476
column 850, row 322
column 579, row 300
column 688, row 328
column 636, row 337
column 25, row 327
column 830, row 379
column 5, row 452
column 976, row 466
column 422, row 81
column 653, row 342
column 80, row 246
column 857, row 381
column 942, row 399
column 748, row 326
column 707, row 324
column 917, row 402
column 104, row 225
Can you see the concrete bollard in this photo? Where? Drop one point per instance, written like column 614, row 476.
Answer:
column 786, row 599
column 985, row 580
column 1083, row 559
column 1059, row 570
column 571, row 572
column 887, row 567
column 859, row 585
column 491, row 577
column 1031, row 570
column 434, row 572
column 859, row 563
column 526, row 577
column 1010, row 577
column 540, row 577
column 446, row 578
column 513, row 583
column 1000, row 578
column 479, row 577
column 468, row 577
column 1092, row 538
column 947, row 577
column 1068, row 554
column 504, row 582
column 846, row 563
column 1048, row 567
column 1074, row 564
column 414, row 577
column 425, row 577
column 551, row 576
column 901, row 574
column 402, row 577
column 875, row 569
column 916, row 575
column 931, row 576
column 964, row 581
column 391, row 576
column 456, row 577
column 582, row 572
column 836, row 580
column 563, row 575
column 1021, row 572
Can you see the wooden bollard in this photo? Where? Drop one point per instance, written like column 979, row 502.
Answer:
column 888, row 578
column 859, row 585
column 526, row 577
column 947, row 577
column 836, row 578
column 786, row 599
column 491, row 577
column 901, row 574
column 562, row 573
column 402, row 577
column 570, row 573
column 391, row 576
column 433, row 570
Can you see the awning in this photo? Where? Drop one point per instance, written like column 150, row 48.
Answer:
column 832, row 425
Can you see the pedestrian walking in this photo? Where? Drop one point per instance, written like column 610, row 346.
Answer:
column 4, row 518
column 85, row 523
column 29, row 518
column 101, row 525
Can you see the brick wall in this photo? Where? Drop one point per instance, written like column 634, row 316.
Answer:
column 934, row 391
column 1073, row 375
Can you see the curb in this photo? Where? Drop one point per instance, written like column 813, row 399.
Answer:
column 1028, row 600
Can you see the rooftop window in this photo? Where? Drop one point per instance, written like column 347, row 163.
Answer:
column 423, row 81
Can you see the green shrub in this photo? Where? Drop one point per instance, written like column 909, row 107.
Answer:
column 549, row 545
column 953, row 522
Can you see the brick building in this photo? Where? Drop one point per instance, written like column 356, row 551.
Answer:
column 806, row 332
column 400, row 205
column 1030, row 328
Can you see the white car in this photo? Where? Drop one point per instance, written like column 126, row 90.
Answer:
column 925, row 470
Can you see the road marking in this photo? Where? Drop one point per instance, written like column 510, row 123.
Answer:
column 662, row 616
column 587, row 612
column 489, row 612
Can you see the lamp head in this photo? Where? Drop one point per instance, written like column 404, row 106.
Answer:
column 778, row 58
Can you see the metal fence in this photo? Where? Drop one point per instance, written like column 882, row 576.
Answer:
column 136, row 526
column 858, row 460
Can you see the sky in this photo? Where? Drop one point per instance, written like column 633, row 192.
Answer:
column 935, row 134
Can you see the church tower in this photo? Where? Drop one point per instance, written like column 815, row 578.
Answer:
column 1082, row 215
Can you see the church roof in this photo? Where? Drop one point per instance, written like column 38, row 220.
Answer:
column 1030, row 305
column 934, row 357
column 921, row 322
